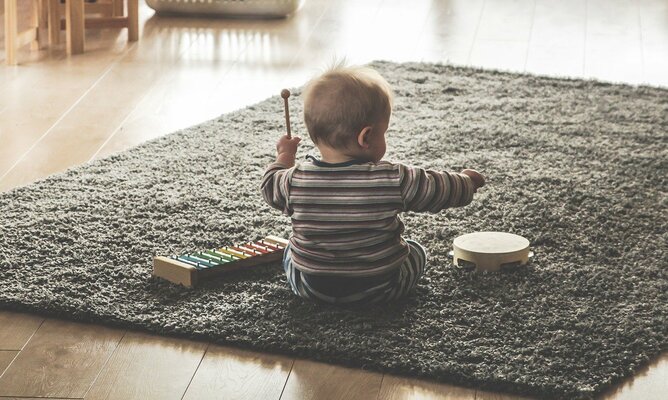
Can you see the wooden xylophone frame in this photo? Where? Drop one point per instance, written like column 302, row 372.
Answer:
column 190, row 275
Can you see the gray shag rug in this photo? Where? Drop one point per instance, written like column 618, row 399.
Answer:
column 578, row 167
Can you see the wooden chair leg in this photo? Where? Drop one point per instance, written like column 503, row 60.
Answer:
column 44, row 22
column 133, row 20
column 117, row 8
column 54, row 21
column 74, row 22
column 11, row 31
column 38, row 21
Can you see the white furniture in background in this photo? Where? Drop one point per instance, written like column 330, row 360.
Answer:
column 240, row 8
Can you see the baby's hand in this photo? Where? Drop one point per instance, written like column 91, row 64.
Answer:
column 288, row 146
column 286, row 149
column 478, row 180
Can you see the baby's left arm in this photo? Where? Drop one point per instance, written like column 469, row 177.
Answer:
column 432, row 191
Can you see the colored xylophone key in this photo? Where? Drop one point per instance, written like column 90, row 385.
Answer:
column 189, row 260
column 200, row 262
column 212, row 258
column 259, row 248
column 185, row 260
column 270, row 245
column 242, row 251
column 219, row 257
column 223, row 256
column 249, row 250
column 231, row 252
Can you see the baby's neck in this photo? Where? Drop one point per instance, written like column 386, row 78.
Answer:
column 333, row 156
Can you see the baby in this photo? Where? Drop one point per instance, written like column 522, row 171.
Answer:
column 346, row 246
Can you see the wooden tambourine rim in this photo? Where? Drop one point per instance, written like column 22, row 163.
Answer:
column 484, row 261
column 451, row 256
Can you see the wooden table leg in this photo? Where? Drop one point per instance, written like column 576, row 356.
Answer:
column 11, row 31
column 38, row 21
column 74, row 22
column 133, row 20
column 54, row 21
column 117, row 6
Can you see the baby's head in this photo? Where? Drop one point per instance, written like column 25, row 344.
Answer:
column 347, row 110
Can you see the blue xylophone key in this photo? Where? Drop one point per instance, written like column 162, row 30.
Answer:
column 203, row 261
column 188, row 261
column 200, row 263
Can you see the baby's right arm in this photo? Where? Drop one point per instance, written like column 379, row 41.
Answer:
column 432, row 191
column 274, row 185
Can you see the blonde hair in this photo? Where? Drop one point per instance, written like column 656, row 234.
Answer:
column 339, row 103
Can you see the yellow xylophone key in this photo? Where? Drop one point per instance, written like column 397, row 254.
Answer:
column 232, row 252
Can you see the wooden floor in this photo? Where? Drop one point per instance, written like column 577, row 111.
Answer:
column 58, row 111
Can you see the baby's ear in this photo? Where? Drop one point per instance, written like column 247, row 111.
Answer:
column 363, row 137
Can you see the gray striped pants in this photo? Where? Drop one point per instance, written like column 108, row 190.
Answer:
column 397, row 287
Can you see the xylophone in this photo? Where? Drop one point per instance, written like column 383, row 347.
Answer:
column 191, row 268
column 188, row 269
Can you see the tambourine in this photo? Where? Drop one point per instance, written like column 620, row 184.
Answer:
column 490, row 251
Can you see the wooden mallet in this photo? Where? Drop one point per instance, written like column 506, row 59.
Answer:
column 285, row 93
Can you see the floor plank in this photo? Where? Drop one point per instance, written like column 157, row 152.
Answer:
column 314, row 380
column 653, row 21
column 557, row 40
column 613, row 44
column 230, row 373
column 485, row 395
column 260, row 47
column 34, row 398
column 655, row 63
column 449, row 32
column 401, row 388
column 602, row 53
column 507, row 20
column 16, row 329
column 146, row 367
column 85, row 125
column 28, row 112
column 650, row 383
column 61, row 360
column 508, row 55
column 6, row 358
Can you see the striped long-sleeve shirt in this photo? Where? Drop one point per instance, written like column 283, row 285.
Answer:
column 345, row 216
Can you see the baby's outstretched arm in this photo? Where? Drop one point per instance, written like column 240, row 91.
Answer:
column 433, row 191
